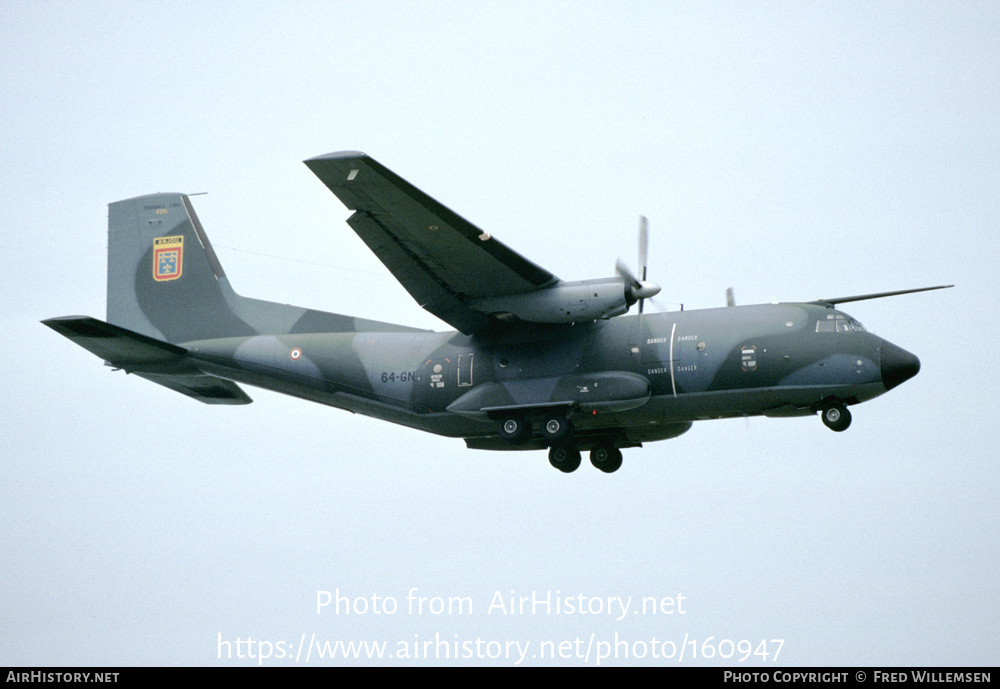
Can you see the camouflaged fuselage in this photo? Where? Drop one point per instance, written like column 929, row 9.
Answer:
column 714, row 363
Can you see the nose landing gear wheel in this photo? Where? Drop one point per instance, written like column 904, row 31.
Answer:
column 836, row 418
column 565, row 459
column 606, row 457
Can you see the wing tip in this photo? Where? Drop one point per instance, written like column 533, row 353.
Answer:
column 337, row 155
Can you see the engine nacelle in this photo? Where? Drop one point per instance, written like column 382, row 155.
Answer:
column 566, row 302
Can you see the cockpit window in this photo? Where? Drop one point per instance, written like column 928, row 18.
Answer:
column 839, row 323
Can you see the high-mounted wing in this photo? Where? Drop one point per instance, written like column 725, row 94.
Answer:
column 445, row 262
column 877, row 295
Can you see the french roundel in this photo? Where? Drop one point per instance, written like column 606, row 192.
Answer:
column 295, row 354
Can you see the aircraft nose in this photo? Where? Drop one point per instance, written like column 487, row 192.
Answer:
column 898, row 365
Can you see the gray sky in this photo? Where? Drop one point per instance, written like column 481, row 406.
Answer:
column 790, row 150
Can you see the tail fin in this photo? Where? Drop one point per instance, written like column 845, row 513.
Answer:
column 165, row 281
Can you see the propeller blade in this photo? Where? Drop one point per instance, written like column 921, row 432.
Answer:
column 643, row 245
column 623, row 270
column 638, row 290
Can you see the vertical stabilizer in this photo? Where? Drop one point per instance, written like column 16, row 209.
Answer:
column 164, row 279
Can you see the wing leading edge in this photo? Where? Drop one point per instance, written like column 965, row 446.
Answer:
column 445, row 262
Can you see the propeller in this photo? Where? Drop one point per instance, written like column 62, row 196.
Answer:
column 638, row 289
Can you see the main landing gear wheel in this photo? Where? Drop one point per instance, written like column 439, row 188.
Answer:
column 515, row 430
column 836, row 418
column 557, row 430
column 565, row 459
column 606, row 457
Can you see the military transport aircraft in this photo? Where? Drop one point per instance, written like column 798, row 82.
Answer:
column 535, row 363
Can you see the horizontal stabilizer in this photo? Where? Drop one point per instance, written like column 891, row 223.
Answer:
column 147, row 357
column 202, row 387
column 117, row 345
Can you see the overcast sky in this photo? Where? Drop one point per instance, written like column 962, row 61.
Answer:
column 790, row 150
